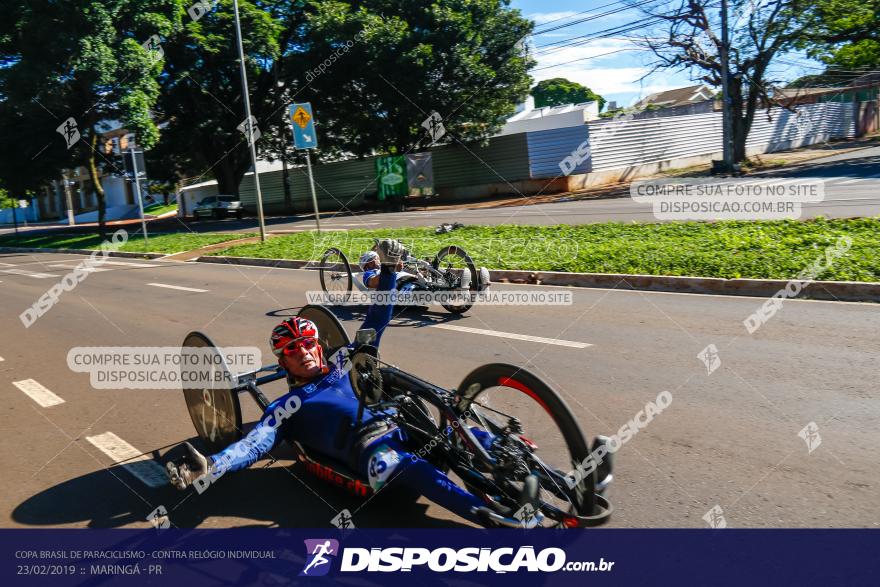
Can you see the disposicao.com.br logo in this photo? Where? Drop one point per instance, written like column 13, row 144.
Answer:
column 441, row 560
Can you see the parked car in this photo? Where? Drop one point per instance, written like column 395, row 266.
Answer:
column 218, row 207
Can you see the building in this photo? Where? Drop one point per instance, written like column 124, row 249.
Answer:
column 119, row 193
column 528, row 118
column 677, row 97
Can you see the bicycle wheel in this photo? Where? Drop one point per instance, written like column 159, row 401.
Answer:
column 551, row 446
column 459, row 273
column 214, row 409
column 336, row 277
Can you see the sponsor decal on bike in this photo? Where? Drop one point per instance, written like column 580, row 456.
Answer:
column 382, row 465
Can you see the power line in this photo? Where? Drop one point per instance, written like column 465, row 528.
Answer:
column 595, row 16
column 583, row 59
column 546, row 22
column 583, row 39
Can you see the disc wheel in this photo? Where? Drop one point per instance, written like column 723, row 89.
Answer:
column 214, row 409
column 452, row 261
column 487, row 400
column 336, row 276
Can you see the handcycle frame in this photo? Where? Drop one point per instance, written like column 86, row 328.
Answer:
column 452, row 447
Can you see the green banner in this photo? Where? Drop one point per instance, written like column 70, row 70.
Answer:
column 391, row 177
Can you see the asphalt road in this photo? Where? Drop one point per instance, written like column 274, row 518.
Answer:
column 729, row 438
column 852, row 188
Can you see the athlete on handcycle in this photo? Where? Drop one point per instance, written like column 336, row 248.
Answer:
column 328, row 409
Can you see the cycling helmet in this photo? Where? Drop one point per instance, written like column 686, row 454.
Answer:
column 368, row 257
column 295, row 330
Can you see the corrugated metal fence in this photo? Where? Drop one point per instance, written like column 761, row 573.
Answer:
column 537, row 155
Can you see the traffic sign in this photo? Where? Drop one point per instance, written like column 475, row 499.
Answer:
column 303, row 123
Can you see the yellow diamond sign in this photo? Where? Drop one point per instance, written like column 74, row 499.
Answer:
column 301, row 117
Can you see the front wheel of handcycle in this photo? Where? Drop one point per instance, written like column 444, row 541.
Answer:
column 336, row 276
column 536, row 439
column 460, row 275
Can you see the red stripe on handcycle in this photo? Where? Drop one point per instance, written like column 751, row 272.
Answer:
column 507, row 381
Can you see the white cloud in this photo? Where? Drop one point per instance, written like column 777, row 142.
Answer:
column 542, row 17
column 603, row 75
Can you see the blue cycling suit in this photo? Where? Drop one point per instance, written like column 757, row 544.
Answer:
column 321, row 414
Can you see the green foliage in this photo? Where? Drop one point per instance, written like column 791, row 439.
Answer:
column 558, row 91
column 157, row 243
column 729, row 249
column 82, row 59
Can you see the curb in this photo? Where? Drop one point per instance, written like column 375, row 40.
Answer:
column 846, row 291
column 125, row 254
column 843, row 291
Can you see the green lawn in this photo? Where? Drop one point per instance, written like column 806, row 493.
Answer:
column 729, row 249
column 160, row 243
column 158, row 209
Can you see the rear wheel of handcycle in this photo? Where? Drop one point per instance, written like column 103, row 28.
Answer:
column 331, row 333
column 498, row 392
column 212, row 404
column 336, row 276
column 452, row 261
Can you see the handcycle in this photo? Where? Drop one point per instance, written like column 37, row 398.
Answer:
column 528, row 476
column 450, row 270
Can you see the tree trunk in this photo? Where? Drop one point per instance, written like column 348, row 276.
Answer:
column 96, row 182
column 227, row 183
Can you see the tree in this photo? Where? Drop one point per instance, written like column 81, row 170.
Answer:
column 691, row 41
column 373, row 70
column 394, row 62
column 83, row 60
column 845, row 35
column 558, row 91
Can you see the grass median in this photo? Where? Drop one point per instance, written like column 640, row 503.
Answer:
column 158, row 243
column 728, row 249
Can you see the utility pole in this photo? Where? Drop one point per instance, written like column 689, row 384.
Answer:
column 249, row 126
column 137, row 187
column 67, row 196
column 727, row 135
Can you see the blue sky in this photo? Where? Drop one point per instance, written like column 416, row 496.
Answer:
column 615, row 76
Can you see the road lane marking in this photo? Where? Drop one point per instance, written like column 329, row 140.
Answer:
column 27, row 273
column 128, row 264
column 38, row 393
column 142, row 466
column 83, row 268
column 180, row 287
column 857, row 179
column 514, row 336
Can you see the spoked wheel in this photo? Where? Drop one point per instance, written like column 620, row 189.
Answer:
column 459, row 273
column 213, row 406
column 336, row 276
column 538, row 444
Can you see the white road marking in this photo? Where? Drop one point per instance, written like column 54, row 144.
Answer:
column 38, row 393
column 27, row 273
column 856, row 180
column 84, row 268
column 1, row 358
column 134, row 461
column 180, row 287
column 514, row 336
column 128, row 264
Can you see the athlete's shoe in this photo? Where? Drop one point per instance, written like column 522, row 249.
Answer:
column 191, row 466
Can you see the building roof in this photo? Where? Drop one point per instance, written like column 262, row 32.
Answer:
column 678, row 96
column 788, row 93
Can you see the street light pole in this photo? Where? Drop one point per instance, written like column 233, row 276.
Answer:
column 725, row 91
column 248, row 125
column 70, row 220
column 137, row 188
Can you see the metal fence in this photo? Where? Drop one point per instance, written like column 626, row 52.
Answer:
column 613, row 144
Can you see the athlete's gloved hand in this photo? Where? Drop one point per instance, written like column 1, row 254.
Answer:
column 390, row 251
